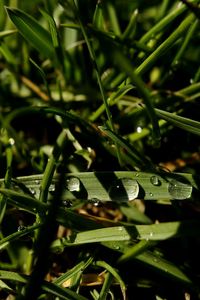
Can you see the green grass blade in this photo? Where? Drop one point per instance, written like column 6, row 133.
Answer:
column 79, row 268
column 48, row 287
column 181, row 122
column 130, row 30
column 32, row 31
column 6, row 33
column 16, row 235
column 51, row 166
column 153, row 232
column 125, row 65
column 102, row 185
column 23, row 201
column 139, row 160
column 166, row 45
column 186, row 42
column 106, row 286
column 157, row 263
column 115, row 96
column 115, row 275
column 135, row 250
column 162, row 24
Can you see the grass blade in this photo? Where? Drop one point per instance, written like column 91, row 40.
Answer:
column 34, row 33
column 181, row 122
column 48, row 287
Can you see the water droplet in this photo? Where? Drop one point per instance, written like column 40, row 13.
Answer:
column 21, row 228
column 73, row 184
column 156, row 260
column 125, row 189
column 11, row 141
column 155, row 180
column 33, row 191
column 67, row 203
column 117, row 247
column 52, row 188
column 151, row 234
column 179, row 190
column 191, row 81
column 94, row 201
column 37, row 181
column 139, row 129
column 151, row 194
column 120, row 228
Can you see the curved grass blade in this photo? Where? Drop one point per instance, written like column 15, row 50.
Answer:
column 163, row 267
column 114, row 273
column 166, row 45
column 115, row 96
column 157, row 263
column 48, row 287
column 6, row 33
column 181, row 122
column 125, row 65
column 79, row 268
column 139, row 160
column 23, row 201
column 16, row 235
column 32, row 31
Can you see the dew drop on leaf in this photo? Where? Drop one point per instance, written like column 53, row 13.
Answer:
column 73, row 184
column 179, row 190
column 21, row 228
column 67, row 203
column 52, row 188
column 33, row 191
column 94, row 201
column 124, row 189
column 155, row 180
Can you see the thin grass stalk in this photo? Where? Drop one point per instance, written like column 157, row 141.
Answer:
column 168, row 43
column 185, row 44
column 51, row 166
column 94, row 61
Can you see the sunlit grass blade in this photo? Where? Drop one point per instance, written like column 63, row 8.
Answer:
column 32, row 31
column 112, row 17
column 153, row 232
column 79, row 268
column 130, row 30
column 8, row 55
column 6, row 33
column 181, row 122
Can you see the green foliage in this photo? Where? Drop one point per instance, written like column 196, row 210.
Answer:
column 97, row 101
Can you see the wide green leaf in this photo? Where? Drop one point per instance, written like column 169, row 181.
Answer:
column 32, row 31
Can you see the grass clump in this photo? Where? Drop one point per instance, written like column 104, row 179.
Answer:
column 99, row 150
